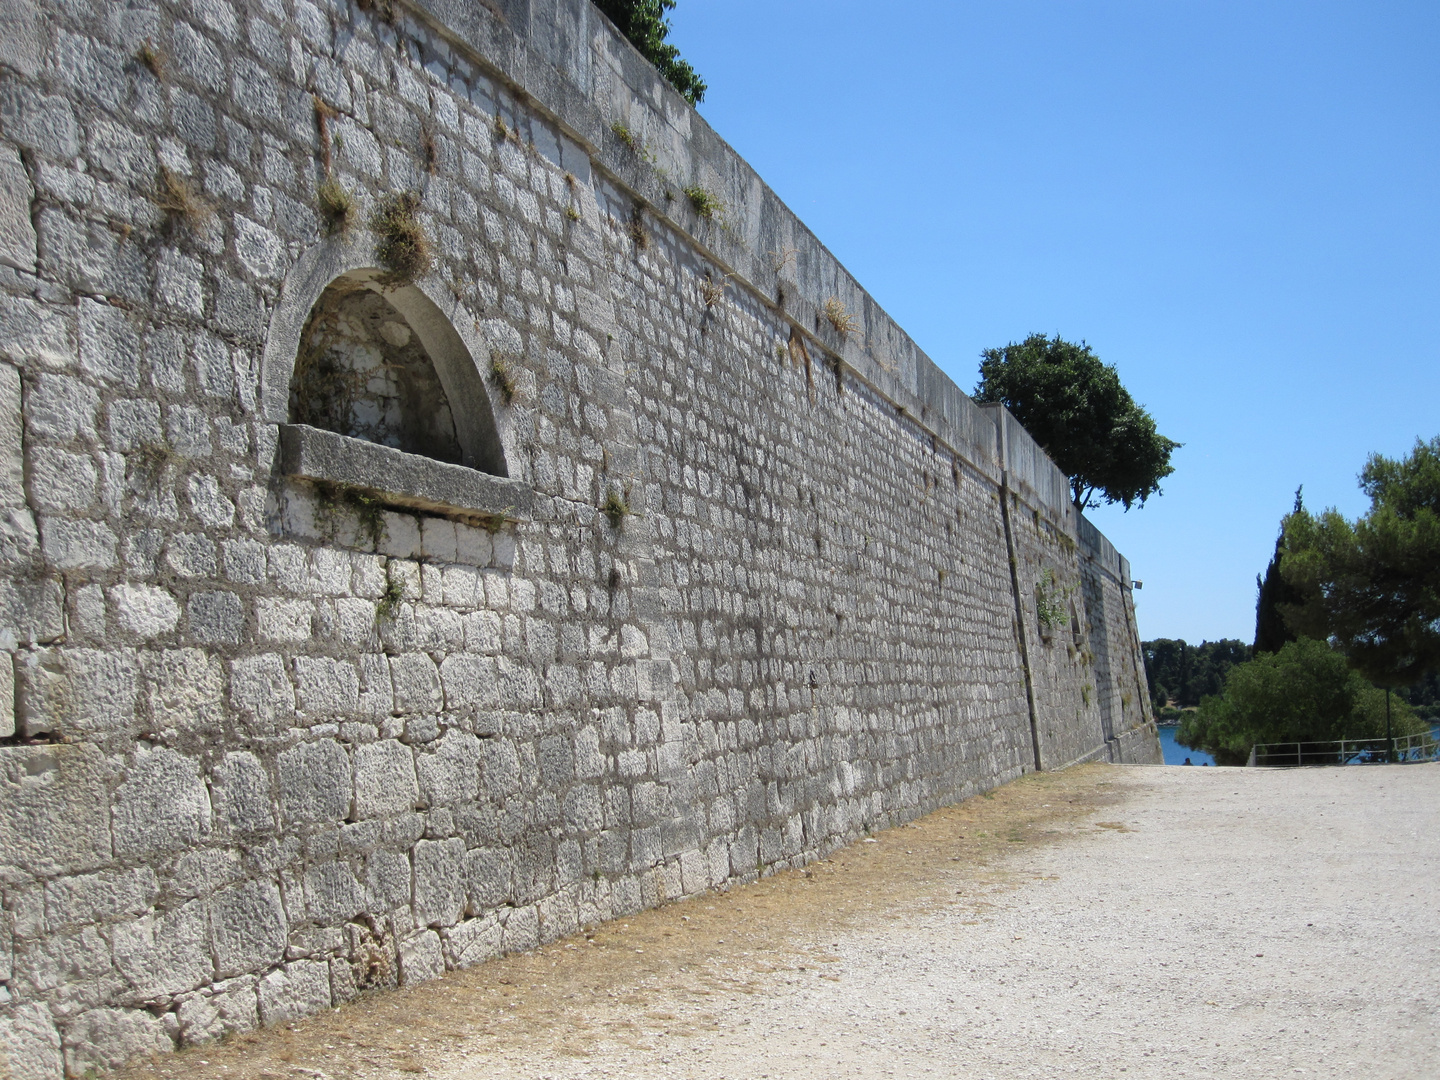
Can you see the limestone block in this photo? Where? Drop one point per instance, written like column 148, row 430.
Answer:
column 104, row 897
column 417, row 683
column 7, row 695
column 247, row 928
column 470, row 683
column 260, row 689
column 32, row 609
column 77, row 545
column 299, row 989
column 502, row 767
column 12, row 448
column 227, row 1007
column 163, row 954
column 387, row 878
column 240, row 792
column 77, row 690
column 34, row 332
column 421, row 958
column 109, row 343
column 522, row 930
column 439, row 881
column 186, row 690
column 161, row 806
column 29, row 1044
column 385, row 781
column 316, row 783
column 332, row 895
column 108, row 1038
column 487, row 877
column 472, row 942
column 326, row 687
column 54, row 802
column 144, row 610
column 17, row 231
column 377, row 691
column 216, row 618
column 450, row 770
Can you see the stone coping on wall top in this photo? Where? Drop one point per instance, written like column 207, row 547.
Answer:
column 400, row 479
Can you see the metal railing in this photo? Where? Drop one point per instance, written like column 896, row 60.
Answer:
column 1401, row 749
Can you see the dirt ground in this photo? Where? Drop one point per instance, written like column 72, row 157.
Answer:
column 1163, row 922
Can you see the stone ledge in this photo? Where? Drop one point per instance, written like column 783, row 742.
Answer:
column 401, row 479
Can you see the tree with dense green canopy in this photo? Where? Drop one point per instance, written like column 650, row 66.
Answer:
column 1073, row 405
column 1305, row 692
column 1373, row 586
column 644, row 23
column 1183, row 673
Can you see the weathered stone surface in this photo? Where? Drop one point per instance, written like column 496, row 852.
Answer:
column 30, row 1044
column 104, row 897
column 240, row 792
column 296, row 990
column 315, row 783
column 163, row 954
column 54, row 809
column 449, row 770
column 247, row 928
column 421, row 958
column 439, row 881
column 384, row 779
column 108, row 1038
column 161, row 806
column 17, row 233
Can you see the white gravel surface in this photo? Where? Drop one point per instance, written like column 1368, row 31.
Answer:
column 1227, row 922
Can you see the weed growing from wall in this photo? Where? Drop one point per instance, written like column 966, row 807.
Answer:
column 502, row 376
column 616, row 509
column 706, row 203
column 153, row 57
column 1050, row 600
column 401, row 244
column 625, row 135
column 336, row 205
column 837, row 316
column 182, row 206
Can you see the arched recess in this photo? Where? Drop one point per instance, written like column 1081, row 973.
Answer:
column 434, row 317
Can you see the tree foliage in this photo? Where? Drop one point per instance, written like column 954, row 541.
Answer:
column 1073, row 405
column 1183, row 673
column 645, row 24
column 1305, row 692
column 1372, row 586
column 1273, row 591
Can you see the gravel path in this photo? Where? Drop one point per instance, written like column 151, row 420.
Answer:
column 1237, row 923
column 1147, row 922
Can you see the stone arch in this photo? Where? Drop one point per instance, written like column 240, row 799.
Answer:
column 420, row 345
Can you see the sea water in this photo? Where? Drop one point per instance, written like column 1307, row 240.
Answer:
column 1175, row 754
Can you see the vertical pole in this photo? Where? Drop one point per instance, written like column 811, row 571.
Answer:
column 1389, row 740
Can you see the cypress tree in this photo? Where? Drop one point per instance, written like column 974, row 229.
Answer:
column 1271, row 630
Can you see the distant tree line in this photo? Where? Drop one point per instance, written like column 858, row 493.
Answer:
column 1180, row 674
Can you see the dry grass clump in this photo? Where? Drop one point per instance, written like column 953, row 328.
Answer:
column 153, row 57
column 712, row 289
column 616, row 509
column 837, row 316
column 337, row 205
column 181, row 203
column 401, row 244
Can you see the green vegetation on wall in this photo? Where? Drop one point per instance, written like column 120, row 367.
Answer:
column 644, row 23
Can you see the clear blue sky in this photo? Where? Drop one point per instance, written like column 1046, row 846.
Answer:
column 1237, row 204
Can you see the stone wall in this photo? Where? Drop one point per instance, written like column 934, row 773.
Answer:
column 698, row 585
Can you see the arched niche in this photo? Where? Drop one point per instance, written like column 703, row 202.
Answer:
column 451, row 463
column 332, row 285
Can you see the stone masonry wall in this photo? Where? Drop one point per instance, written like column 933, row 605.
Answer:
column 286, row 715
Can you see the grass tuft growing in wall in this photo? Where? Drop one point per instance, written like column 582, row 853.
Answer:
column 153, row 57
column 706, row 203
column 616, row 509
column 625, row 135
column 401, row 244
column 837, row 316
column 337, row 206
column 502, row 376
column 181, row 203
